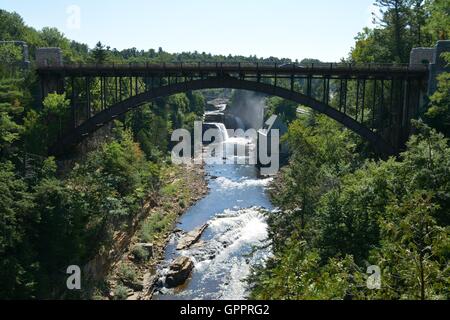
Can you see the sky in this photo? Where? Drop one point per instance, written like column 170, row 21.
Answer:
column 296, row 29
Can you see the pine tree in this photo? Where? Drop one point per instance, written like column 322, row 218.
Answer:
column 394, row 19
column 99, row 53
column 418, row 17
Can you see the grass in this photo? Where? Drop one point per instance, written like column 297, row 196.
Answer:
column 158, row 223
column 171, row 189
column 180, row 186
column 177, row 190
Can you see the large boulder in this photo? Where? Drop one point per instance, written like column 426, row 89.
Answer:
column 179, row 272
column 191, row 238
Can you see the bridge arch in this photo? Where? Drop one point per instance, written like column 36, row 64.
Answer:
column 78, row 134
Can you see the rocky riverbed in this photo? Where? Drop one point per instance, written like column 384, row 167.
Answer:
column 133, row 276
column 222, row 236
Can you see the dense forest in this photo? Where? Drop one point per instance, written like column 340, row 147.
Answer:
column 81, row 205
column 343, row 209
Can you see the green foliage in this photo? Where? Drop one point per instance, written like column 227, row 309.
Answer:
column 11, row 109
column 150, row 130
column 393, row 214
column 56, row 104
column 321, row 152
column 297, row 274
column 340, row 216
column 395, row 20
column 61, row 231
column 35, row 133
column 11, row 25
column 43, row 128
column 120, row 292
column 349, row 213
column 370, row 47
column 17, row 220
column 438, row 23
column 10, row 55
column 197, row 102
column 401, row 26
column 52, row 37
column 156, row 224
column 285, row 109
column 153, row 124
column 140, row 253
column 414, row 252
column 69, row 220
column 99, row 53
column 127, row 274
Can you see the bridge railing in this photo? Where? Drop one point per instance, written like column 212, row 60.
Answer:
column 244, row 66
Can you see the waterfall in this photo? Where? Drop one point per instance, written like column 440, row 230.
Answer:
column 220, row 127
column 223, row 131
column 239, row 123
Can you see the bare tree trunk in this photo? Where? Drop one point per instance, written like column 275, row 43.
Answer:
column 422, row 278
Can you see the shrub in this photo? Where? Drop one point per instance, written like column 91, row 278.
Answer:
column 120, row 292
column 127, row 274
column 140, row 253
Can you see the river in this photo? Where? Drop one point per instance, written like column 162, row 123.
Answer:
column 236, row 226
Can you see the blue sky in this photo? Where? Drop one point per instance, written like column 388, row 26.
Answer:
column 297, row 29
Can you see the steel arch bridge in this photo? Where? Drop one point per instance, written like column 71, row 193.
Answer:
column 376, row 101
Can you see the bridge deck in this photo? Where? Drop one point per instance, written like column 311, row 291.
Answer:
column 247, row 69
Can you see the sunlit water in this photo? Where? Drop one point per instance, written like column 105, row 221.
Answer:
column 236, row 227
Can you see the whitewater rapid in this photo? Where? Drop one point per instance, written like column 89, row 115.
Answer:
column 236, row 236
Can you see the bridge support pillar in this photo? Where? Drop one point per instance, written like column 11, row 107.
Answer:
column 418, row 91
column 439, row 65
column 432, row 57
column 50, row 57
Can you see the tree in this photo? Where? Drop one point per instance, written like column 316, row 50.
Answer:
column 285, row 109
column 17, row 224
column 418, row 17
column 412, row 254
column 348, row 214
column 12, row 26
column 438, row 25
column 297, row 274
column 394, row 20
column 197, row 102
column 56, row 107
column 52, row 37
column 10, row 56
column 10, row 110
column 99, row 54
column 370, row 47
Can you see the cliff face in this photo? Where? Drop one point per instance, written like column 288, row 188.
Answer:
column 91, row 143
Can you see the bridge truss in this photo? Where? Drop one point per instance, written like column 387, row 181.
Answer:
column 377, row 101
